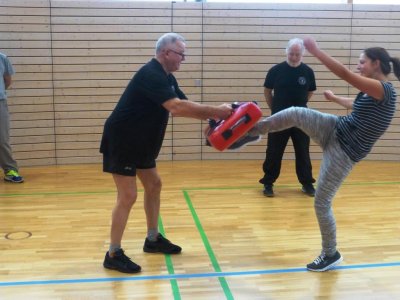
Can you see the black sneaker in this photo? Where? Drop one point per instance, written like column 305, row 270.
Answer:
column 243, row 141
column 324, row 263
column 120, row 262
column 162, row 245
column 308, row 189
column 268, row 190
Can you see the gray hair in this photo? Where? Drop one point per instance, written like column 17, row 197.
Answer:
column 295, row 41
column 167, row 39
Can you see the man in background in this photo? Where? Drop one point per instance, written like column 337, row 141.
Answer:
column 290, row 83
column 7, row 162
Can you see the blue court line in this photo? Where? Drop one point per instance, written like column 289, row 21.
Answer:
column 190, row 276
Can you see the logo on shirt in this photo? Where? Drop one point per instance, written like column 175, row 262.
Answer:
column 302, row 80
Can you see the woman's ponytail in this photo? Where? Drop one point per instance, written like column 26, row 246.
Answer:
column 396, row 66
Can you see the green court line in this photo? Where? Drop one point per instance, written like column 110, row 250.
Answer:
column 288, row 185
column 56, row 193
column 61, row 193
column 208, row 247
column 170, row 266
column 188, row 189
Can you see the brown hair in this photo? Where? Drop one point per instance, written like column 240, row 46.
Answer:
column 378, row 53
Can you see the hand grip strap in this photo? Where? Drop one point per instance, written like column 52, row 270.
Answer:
column 229, row 132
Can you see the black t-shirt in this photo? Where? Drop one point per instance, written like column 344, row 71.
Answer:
column 290, row 85
column 135, row 130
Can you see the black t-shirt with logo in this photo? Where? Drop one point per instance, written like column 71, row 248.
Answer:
column 135, row 130
column 290, row 85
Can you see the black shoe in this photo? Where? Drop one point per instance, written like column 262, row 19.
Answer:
column 161, row 245
column 120, row 262
column 268, row 191
column 308, row 189
column 243, row 141
column 325, row 263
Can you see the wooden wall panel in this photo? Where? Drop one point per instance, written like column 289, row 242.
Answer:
column 26, row 38
column 89, row 65
column 186, row 140
column 74, row 59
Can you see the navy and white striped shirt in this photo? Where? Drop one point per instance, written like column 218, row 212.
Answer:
column 358, row 131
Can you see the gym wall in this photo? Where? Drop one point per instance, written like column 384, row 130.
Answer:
column 73, row 60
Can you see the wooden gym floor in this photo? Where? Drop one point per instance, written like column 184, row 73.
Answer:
column 237, row 244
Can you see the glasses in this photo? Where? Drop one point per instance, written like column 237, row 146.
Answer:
column 183, row 55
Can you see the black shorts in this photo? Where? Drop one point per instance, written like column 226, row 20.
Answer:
column 111, row 165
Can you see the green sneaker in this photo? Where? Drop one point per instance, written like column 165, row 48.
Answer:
column 13, row 176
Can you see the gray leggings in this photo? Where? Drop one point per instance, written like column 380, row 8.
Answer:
column 335, row 165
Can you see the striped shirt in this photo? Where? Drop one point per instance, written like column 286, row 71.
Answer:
column 359, row 131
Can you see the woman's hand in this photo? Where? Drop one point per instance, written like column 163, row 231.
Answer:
column 329, row 95
column 311, row 45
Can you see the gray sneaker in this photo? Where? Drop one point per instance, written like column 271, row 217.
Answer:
column 324, row 263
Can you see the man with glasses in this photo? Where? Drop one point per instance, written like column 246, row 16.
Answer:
column 132, row 138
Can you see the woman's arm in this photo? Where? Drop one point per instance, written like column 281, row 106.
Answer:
column 343, row 101
column 370, row 86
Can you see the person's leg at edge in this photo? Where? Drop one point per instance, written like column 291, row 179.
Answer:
column 7, row 162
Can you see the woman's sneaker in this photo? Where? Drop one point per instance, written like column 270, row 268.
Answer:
column 244, row 141
column 13, row 176
column 325, row 263
column 120, row 262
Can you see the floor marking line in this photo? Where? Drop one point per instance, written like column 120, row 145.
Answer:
column 194, row 275
column 187, row 189
column 224, row 284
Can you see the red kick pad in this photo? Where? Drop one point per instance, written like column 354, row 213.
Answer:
column 223, row 134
